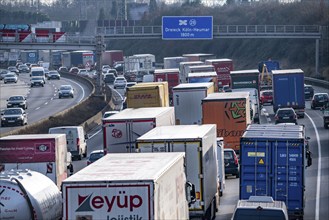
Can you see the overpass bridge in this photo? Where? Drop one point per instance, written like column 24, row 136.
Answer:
column 105, row 34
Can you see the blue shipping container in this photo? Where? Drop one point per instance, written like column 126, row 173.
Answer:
column 288, row 90
column 270, row 65
column 272, row 164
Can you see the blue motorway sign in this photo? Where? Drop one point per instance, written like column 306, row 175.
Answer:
column 187, row 27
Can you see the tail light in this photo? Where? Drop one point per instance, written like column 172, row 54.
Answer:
column 78, row 143
column 198, row 195
column 236, row 161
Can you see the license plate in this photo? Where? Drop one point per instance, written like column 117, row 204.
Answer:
column 285, row 117
column 11, row 121
column 307, row 92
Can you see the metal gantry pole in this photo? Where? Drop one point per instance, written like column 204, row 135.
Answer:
column 317, row 56
column 100, row 47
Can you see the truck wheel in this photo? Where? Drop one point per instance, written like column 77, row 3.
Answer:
column 85, row 153
column 79, row 157
column 237, row 175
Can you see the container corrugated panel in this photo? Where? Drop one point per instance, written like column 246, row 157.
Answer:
column 272, row 164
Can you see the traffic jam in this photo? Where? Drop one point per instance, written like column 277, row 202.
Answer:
column 180, row 132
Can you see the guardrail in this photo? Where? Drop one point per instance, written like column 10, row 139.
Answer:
column 317, row 82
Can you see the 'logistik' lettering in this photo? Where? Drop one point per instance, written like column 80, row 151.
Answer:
column 122, row 217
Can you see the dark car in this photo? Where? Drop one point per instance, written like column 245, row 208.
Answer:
column 285, row 115
column 109, row 78
column 95, row 155
column 74, row 70
column 13, row 69
column 53, row 74
column 23, row 68
column 3, row 73
column 266, row 96
column 231, row 161
column 13, row 116
column 18, row 101
column 319, row 100
column 63, row 69
column 308, row 91
column 65, row 91
column 37, row 81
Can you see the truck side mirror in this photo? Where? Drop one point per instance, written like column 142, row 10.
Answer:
column 309, row 158
column 190, row 193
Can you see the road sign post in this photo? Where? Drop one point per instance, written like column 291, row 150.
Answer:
column 187, row 27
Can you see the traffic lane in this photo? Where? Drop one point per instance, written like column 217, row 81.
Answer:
column 44, row 102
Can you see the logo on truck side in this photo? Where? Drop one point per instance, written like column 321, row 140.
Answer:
column 236, row 110
column 91, row 203
column 116, row 133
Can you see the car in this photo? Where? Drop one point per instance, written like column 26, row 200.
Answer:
column 260, row 207
column 231, row 161
column 109, row 78
column 13, row 116
column 266, row 96
column 74, row 70
column 105, row 68
column 130, row 84
column 46, row 72
column 308, row 91
column 285, row 115
column 13, row 69
column 266, row 87
column 319, row 100
column 95, row 155
column 63, row 69
column 33, row 65
column 18, row 101
column 83, row 72
column 226, row 88
column 112, row 71
column 3, row 72
column 37, row 81
column 109, row 113
column 23, row 68
column 120, row 82
column 53, row 74
column 10, row 78
column 65, row 91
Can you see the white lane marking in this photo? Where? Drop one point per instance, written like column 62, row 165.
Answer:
column 52, row 99
column 46, row 103
column 94, row 134
column 83, row 91
column 37, row 108
column 318, row 181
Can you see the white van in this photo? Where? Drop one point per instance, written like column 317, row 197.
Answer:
column 75, row 138
column 38, row 71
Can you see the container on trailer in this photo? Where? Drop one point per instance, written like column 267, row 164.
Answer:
column 167, row 75
column 173, row 62
column 187, row 98
column 201, row 77
column 184, row 69
column 202, row 68
column 199, row 56
column 245, row 79
column 199, row 144
column 133, row 186
column 223, row 67
column 110, row 57
column 273, row 164
column 121, row 130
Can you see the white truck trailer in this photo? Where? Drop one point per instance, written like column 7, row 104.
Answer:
column 121, row 130
column 200, row 147
column 27, row 194
column 187, row 98
column 128, row 186
column 44, row 153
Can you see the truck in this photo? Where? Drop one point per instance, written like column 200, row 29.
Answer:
column 245, row 79
column 184, row 69
column 199, row 56
column 266, row 68
column 142, row 63
column 167, row 75
column 110, row 57
column 273, row 164
column 173, row 62
column 153, row 94
column 121, row 130
column 27, row 194
column 29, row 56
column 133, row 186
column 198, row 142
column 187, row 99
column 223, row 67
column 79, row 58
column 44, row 153
column 228, row 112
column 288, row 90
column 202, row 68
column 199, row 77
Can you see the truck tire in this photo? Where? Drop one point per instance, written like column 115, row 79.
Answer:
column 237, row 175
column 85, row 153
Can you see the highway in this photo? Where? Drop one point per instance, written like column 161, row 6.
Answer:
column 42, row 101
column 316, row 176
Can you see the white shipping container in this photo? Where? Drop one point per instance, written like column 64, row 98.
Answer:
column 199, row 144
column 173, row 62
column 184, row 69
column 187, row 99
column 121, row 130
column 128, row 186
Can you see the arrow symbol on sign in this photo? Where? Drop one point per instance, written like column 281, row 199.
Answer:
column 182, row 22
